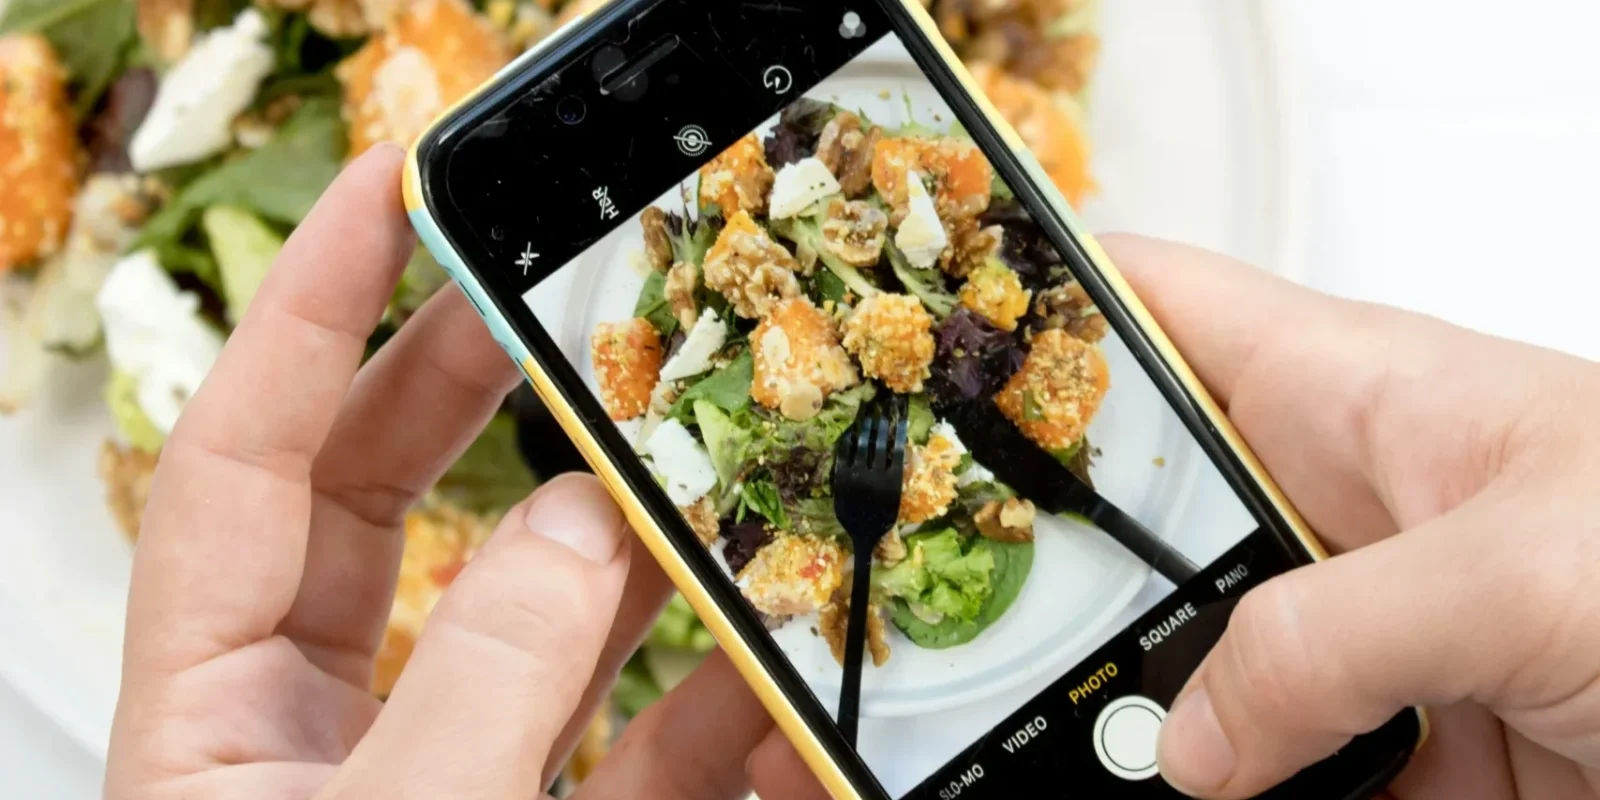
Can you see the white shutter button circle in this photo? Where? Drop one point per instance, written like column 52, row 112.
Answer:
column 1125, row 736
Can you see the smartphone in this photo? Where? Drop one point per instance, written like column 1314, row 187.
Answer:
column 714, row 234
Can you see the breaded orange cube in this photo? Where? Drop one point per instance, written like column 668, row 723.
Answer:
column 793, row 575
column 892, row 336
column 627, row 361
column 39, row 156
column 961, row 175
column 995, row 292
column 1055, row 395
column 749, row 268
column 738, row 179
column 798, row 360
column 1048, row 129
column 930, row 480
column 434, row 54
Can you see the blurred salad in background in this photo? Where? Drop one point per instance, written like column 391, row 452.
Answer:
column 156, row 154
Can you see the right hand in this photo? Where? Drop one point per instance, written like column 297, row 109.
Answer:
column 1456, row 475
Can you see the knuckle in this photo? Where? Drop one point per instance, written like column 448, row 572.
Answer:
column 1269, row 649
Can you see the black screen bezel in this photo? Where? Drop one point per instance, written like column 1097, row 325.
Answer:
column 434, row 163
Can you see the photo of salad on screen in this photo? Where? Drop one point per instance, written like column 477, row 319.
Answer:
column 799, row 276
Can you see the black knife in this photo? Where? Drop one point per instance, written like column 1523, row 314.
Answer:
column 1016, row 461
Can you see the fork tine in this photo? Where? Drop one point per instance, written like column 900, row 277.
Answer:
column 882, row 443
column 897, row 457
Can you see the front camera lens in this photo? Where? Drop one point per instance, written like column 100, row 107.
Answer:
column 571, row 110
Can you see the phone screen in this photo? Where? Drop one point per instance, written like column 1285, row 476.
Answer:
column 727, row 285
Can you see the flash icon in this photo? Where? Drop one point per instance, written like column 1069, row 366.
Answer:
column 852, row 27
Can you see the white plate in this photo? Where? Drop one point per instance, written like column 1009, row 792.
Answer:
column 1195, row 128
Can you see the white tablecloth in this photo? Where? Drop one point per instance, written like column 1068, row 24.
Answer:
column 1453, row 166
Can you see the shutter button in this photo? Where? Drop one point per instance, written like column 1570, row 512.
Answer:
column 1125, row 737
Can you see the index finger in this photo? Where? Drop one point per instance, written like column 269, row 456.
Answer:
column 224, row 538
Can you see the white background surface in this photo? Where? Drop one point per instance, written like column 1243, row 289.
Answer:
column 1453, row 165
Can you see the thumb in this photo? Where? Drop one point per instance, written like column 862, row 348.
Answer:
column 504, row 658
column 1319, row 655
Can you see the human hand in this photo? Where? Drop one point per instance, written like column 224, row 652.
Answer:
column 1455, row 473
column 268, row 553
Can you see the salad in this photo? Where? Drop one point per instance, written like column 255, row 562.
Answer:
column 832, row 262
column 155, row 154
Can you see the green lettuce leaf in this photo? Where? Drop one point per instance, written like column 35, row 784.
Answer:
column 491, row 476
column 926, row 285
column 946, row 581
column 760, row 494
column 132, row 423
column 806, row 232
column 636, row 688
column 920, row 419
column 652, row 305
column 727, row 388
column 93, row 38
column 1012, row 564
column 279, row 182
column 245, row 248
column 726, row 442
column 680, row 628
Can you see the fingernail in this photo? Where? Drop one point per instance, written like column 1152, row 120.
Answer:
column 1195, row 755
column 578, row 513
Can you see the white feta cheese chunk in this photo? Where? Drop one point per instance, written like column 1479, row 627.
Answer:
column 681, row 462
column 975, row 473
column 694, row 357
column 200, row 96
column 154, row 334
column 921, row 236
column 799, row 185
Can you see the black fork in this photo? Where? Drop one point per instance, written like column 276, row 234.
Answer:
column 868, row 471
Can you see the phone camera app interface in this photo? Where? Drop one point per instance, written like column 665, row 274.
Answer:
column 867, row 379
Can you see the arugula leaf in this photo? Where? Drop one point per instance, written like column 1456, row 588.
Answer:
column 760, row 494
column 93, row 38
column 806, row 232
column 279, row 182
column 919, row 419
column 727, row 388
column 652, row 305
column 491, row 476
column 926, row 285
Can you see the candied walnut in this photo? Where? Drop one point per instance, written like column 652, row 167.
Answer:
column 1009, row 520
column 798, row 360
column 961, row 176
column 657, row 242
column 627, row 362
column 855, row 231
column 127, row 474
column 1057, row 392
column 38, row 151
column 345, row 19
column 970, row 246
column 1068, row 307
column 750, row 269
column 892, row 336
column 1046, row 126
column 891, row 549
column 432, row 55
column 995, row 292
column 679, row 291
column 738, row 179
column 930, row 480
column 793, row 575
column 702, row 519
column 166, row 26
column 847, row 150
column 834, row 624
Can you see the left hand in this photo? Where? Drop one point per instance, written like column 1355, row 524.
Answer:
column 268, row 553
